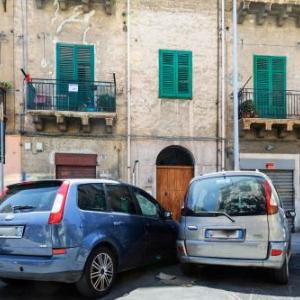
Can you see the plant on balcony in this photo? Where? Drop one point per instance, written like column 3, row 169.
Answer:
column 105, row 102
column 247, row 109
column 5, row 85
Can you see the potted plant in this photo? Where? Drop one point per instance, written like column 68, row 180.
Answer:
column 5, row 85
column 247, row 109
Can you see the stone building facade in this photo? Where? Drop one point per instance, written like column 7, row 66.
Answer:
column 268, row 56
column 103, row 99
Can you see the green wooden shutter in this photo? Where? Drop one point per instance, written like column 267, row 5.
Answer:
column 175, row 74
column 279, row 86
column 66, row 67
column 270, row 86
column 75, row 64
column 65, row 74
column 85, row 77
column 167, row 74
column 184, row 71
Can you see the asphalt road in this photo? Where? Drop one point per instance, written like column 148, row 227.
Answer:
column 207, row 283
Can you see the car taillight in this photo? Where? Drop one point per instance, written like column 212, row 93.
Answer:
column 59, row 251
column 276, row 252
column 58, row 207
column 272, row 206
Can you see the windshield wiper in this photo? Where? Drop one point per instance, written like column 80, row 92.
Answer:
column 22, row 207
column 216, row 213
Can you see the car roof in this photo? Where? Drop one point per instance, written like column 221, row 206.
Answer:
column 72, row 181
column 231, row 173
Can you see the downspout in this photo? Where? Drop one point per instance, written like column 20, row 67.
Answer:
column 223, row 87
column 218, row 90
column 128, row 97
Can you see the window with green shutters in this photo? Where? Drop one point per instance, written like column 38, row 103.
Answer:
column 270, row 86
column 175, row 74
column 75, row 64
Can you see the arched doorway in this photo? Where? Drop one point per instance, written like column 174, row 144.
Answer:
column 175, row 169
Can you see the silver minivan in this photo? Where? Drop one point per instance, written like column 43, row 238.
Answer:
column 235, row 218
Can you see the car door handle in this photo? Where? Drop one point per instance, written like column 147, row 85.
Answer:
column 192, row 227
column 118, row 223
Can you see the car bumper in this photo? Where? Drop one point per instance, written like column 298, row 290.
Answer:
column 272, row 262
column 59, row 268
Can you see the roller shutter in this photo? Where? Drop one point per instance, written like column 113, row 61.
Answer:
column 283, row 181
column 70, row 165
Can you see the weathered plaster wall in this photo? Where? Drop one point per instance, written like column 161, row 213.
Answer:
column 12, row 167
column 158, row 123
column 110, row 155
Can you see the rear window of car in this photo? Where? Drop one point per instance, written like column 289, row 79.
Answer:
column 91, row 197
column 29, row 197
column 234, row 195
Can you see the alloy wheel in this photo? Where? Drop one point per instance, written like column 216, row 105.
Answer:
column 101, row 272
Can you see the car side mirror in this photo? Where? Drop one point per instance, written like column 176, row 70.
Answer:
column 290, row 214
column 167, row 215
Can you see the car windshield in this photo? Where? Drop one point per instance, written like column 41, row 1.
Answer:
column 29, row 197
column 234, row 195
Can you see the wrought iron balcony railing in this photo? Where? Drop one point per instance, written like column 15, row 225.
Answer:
column 284, row 104
column 76, row 96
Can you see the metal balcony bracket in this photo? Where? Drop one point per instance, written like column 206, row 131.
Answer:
column 262, row 13
column 38, row 123
column 40, row 4
column 243, row 11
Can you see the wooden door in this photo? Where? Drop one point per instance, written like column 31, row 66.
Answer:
column 172, row 184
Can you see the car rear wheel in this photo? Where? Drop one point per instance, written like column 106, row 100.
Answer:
column 282, row 275
column 99, row 273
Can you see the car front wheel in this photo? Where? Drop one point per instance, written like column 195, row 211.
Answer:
column 99, row 273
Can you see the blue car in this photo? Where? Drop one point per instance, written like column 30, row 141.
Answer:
column 81, row 231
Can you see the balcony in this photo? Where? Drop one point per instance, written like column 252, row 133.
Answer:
column 86, row 4
column 264, row 111
column 281, row 10
column 70, row 99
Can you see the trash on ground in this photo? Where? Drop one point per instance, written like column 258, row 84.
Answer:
column 164, row 276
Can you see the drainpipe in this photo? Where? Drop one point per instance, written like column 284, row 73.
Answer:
column 223, row 88
column 128, row 97
column 236, row 146
column 135, row 173
column 2, row 141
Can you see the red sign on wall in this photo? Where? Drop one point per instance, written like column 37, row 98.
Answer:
column 270, row 166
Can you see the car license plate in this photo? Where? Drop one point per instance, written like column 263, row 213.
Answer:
column 224, row 234
column 13, row 232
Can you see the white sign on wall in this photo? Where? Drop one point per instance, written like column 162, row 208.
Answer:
column 73, row 88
